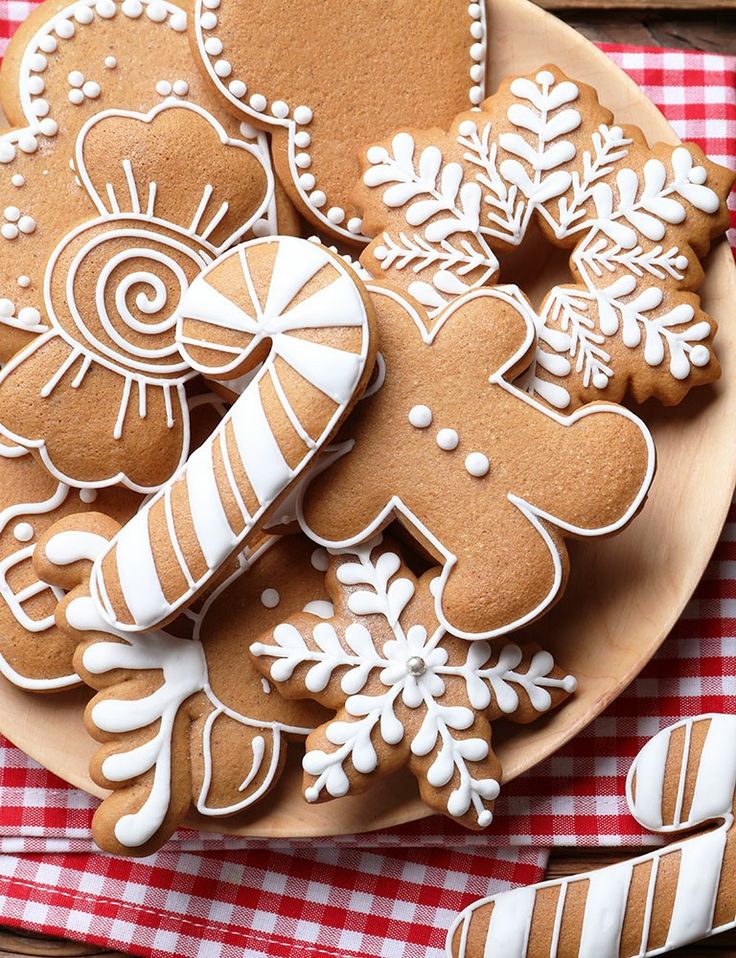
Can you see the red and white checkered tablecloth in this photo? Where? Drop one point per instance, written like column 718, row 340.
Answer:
column 388, row 895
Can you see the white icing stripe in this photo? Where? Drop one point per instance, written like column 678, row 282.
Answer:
column 511, row 922
column 262, row 459
column 716, row 780
column 209, row 305
column 136, row 567
column 216, row 538
column 324, row 309
column 605, row 907
column 650, row 771
column 333, row 371
column 697, row 886
column 295, row 266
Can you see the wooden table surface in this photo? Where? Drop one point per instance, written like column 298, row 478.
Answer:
column 685, row 24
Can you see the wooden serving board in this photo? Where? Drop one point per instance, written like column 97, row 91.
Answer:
column 624, row 594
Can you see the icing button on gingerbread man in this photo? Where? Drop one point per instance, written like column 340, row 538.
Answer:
column 494, row 493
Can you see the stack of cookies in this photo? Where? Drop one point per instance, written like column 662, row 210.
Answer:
column 261, row 486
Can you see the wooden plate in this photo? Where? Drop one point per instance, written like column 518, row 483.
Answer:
column 624, row 595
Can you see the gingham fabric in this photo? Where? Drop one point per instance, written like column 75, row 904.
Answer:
column 393, row 894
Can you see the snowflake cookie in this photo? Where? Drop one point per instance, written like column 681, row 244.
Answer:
column 66, row 63
column 681, row 781
column 112, row 289
column 543, row 155
column 485, row 477
column 406, row 692
column 310, row 90
column 183, row 719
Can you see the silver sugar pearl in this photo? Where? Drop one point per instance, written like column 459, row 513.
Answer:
column 416, row 665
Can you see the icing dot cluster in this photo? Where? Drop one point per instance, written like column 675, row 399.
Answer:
column 477, row 464
column 16, row 223
column 63, row 27
column 177, row 88
column 477, row 14
column 26, row 318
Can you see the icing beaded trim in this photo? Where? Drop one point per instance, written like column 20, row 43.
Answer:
column 298, row 118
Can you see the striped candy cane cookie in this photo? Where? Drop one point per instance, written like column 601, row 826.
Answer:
column 293, row 322
column 682, row 779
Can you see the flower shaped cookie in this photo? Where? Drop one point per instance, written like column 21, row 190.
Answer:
column 183, row 718
column 406, row 692
column 112, row 288
column 67, row 62
column 446, row 209
column 486, row 478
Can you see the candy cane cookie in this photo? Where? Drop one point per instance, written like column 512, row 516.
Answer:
column 298, row 312
column 684, row 778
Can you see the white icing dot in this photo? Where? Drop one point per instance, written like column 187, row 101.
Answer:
column 265, row 686
column 106, row 9
column 48, row 127
column 65, row 29
column 48, row 44
column 317, row 198
column 681, row 263
column 223, row 68
column 75, row 78
column 26, row 224
column 76, row 97
column 485, row 818
column 7, row 152
column 477, row 72
column 40, row 107
column 474, row 10
column 35, row 85
column 9, row 231
column 303, row 115
column 280, row 109
column 180, row 87
column 91, row 89
column 270, row 598
column 37, row 62
column 258, row 102
column 238, row 88
column 28, row 143
column 447, row 439
column 208, row 20
column 477, row 51
column 467, row 128
column 302, row 139
column 477, row 464
column 23, row 532
column 336, row 214
column 420, row 416
column 355, row 224
column 698, row 175
column 132, row 8
column 88, row 495
column 476, row 30
column 476, row 95
column 600, row 380
column 307, row 181
column 211, row 4
column 156, row 11
column 24, row 281
column 12, row 213
column 163, row 88
column 376, row 154
column 7, row 308
column 178, row 21
column 700, row 356
column 84, row 15
column 29, row 316
column 303, row 161
column 261, row 228
column 320, row 560
column 248, row 131
column 213, row 46
column 111, row 63
column 545, row 78
column 380, row 252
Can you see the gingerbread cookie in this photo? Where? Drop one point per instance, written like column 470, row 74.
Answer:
column 489, row 480
column 683, row 779
column 542, row 154
column 67, row 62
column 113, row 286
column 335, row 77
column 300, row 317
column 406, row 693
column 183, row 718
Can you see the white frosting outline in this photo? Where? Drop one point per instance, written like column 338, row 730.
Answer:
column 513, row 297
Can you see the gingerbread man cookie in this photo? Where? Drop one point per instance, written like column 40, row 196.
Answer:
column 336, row 77
column 183, row 719
column 67, row 62
column 296, row 315
column 406, row 692
column 489, row 480
column 542, row 154
column 113, row 286
column 683, row 779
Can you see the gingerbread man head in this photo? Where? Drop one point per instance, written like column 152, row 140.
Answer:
column 486, row 478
